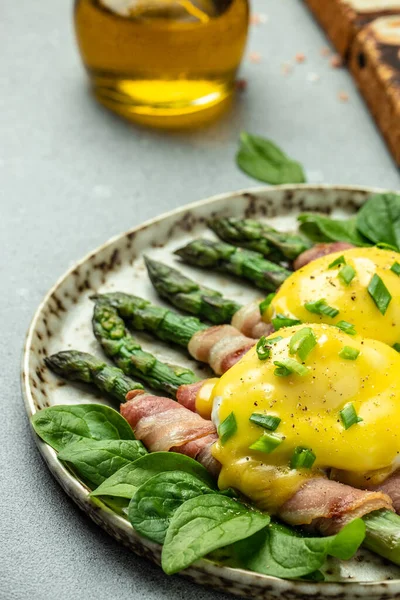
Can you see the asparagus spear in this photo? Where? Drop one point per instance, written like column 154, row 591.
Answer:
column 383, row 534
column 161, row 322
column 253, row 235
column 80, row 366
column 186, row 294
column 237, row 261
column 125, row 351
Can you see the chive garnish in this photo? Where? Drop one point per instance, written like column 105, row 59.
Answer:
column 267, row 442
column 347, row 274
column 340, row 260
column 346, row 327
column 289, row 366
column 349, row 353
column 395, row 268
column 396, row 347
column 227, row 428
column 275, row 340
column 349, row 416
column 320, row 307
column 303, row 458
column 263, row 349
column 281, row 321
column 379, row 293
column 267, row 421
column 302, row 342
column 265, row 303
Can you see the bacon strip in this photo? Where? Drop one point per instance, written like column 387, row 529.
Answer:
column 326, row 506
column 322, row 504
column 220, row 346
column 391, row 487
column 249, row 322
column 163, row 425
column 318, row 251
column 187, row 394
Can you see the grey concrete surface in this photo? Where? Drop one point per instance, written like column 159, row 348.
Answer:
column 73, row 175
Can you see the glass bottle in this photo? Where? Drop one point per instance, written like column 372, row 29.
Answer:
column 165, row 63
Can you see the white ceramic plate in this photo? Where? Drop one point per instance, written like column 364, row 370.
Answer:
column 62, row 321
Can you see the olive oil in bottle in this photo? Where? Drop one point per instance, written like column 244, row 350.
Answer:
column 167, row 63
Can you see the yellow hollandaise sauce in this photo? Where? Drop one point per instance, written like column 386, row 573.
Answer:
column 307, row 399
column 361, row 286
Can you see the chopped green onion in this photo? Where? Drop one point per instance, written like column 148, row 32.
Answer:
column 379, row 293
column 288, row 366
column 263, row 349
column 281, row 321
column 275, row 340
column 302, row 342
column 265, row 303
column 303, row 458
column 347, row 274
column 340, row 260
column 267, row 442
column 395, row 268
column 349, row 353
column 396, row 347
column 320, row 307
column 346, row 327
column 349, row 416
column 384, row 246
column 227, row 428
column 267, row 421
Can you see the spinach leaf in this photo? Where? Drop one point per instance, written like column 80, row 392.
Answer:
column 96, row 460
column 127, row 480
column 280, row 551
column 320, row 228
column 263, row 160
column 379, row 219
column 63, row 424
column 205, row 523
column 154, row 503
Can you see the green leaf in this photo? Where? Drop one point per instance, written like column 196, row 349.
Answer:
column 154, row 503
column 204, row 524
column 263, row 160
column 63, row 424
column 282, row 552
column 127, row 480
column 320, row 228
column 96, row 460
column 379, row 219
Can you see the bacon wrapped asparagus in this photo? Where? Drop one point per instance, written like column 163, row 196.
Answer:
column 220, row 346
column 245, row 264
column 260, row 237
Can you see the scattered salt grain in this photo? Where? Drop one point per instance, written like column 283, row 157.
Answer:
column 343, row 97
column 313, row 77
column 255, row 57
column 336, row 61
column 286, row 68
column 241, row 85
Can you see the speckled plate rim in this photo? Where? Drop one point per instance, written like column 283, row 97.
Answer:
column 204, row 572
